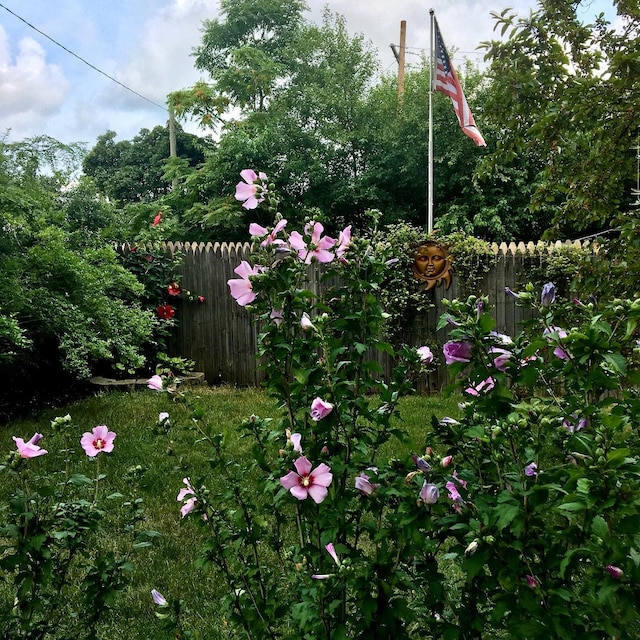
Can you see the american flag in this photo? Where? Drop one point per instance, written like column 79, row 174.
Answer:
column 447, row 82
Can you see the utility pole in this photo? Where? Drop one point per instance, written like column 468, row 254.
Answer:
column 399, row 55
column 403, row 42
column 173, row 152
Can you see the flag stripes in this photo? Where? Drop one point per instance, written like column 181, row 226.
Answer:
column 446, row 82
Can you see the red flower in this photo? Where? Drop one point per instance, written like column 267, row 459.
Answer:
column 166, row 312
column 157, row 219
column 200, row 298
column 174, row 289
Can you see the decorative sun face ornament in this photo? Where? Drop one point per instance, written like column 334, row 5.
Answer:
column 432, row 265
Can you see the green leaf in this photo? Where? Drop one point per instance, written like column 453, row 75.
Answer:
column 599, row 527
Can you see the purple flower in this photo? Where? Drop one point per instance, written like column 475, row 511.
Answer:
column 429, row 493
column 241, row 288
column 501, row 359
column 532, row 581
column 30, row 449
column 456, row 352
column 425, row 354
column 555, row 335
column 511, row 293
column 306, row 481
column 421, row 463
column 573, row 423
column 158, row 598
column 320, row 409
column 531, row 470
column 614, row 572
column 548, row 294
column 97, row 440
column 276, row 316
column 248, row 191
column 364, row 485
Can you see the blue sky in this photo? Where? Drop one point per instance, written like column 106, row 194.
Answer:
column 146, row 45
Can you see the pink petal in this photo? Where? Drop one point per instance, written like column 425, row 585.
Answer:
column 256, row 230
column 252, row 202
column 303, row 466
column 244, row 270
column 297, row 241
column 188, row 506
column 300, row 492
column 322, row 479
column 241, row 291
column 245, row 191
column 292, row 479
column 317, row 493
column 296, row 439
column 279, row 226
column 249, row 175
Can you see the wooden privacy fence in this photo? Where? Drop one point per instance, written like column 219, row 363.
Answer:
column 221, row 336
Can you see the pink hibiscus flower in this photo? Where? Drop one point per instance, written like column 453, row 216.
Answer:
column 320, row 409
column 97, row 440
column 317, row 248
column 306, row 481
column 241, row 288
column 30, row 449
column 190, row 503
column 260, row 232
column 251, row 193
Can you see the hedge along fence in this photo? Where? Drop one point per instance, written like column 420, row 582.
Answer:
column 221, row 336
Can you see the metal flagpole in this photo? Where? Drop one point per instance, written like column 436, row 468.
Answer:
column 430, row 160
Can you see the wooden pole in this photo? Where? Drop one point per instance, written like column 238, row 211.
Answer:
column 173, row 152
column 401, row 57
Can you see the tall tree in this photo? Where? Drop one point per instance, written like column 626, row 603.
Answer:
column 246, row 51
column 134, row 170
column 565, row 93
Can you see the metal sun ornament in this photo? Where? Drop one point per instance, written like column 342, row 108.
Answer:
column 432, row 265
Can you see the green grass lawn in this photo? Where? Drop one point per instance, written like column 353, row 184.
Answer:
column 166, row 458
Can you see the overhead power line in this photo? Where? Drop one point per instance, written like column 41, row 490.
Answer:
column 75, row 55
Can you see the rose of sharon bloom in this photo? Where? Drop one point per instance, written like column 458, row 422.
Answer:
column 318, row 246
column 157, row 219
column 481, row 387
column 446, row 461
column 296, row 441
column 421, row 463
column 429, row 493
column 174, row 289
column 553, row 336
column 452, row 487
column 308, row 481
column 248, row 191
column 548, row 294
column 614, row 572
column 241, row 288
column 155, row 383
column 259, row 232
column 363, row 482
column 158, row 598
column 320, row 409
column 277, row 317
column 501, row 358
column 97, row 440
column 531, row 581
column 456, row 352
column 344, row 240
column 531, row 470
column 190, row 503
column 30, row 449
column 425, row 354
column 305, row 322
column 573, row 423
column 332, row 552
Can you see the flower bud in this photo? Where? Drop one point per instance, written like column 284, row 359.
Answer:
column 472, row 548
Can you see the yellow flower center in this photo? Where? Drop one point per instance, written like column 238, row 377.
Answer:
column 99, row 443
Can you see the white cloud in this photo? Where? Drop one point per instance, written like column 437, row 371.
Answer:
column 30, row 88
